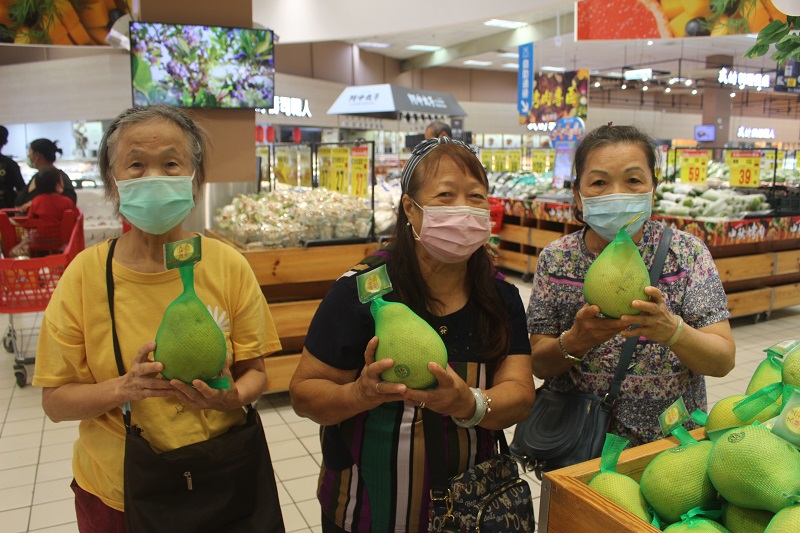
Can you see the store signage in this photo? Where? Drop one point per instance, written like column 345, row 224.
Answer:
column 525, row 79
column 755, row 133
column 743, row 79
column 694, row 166
column 289, row 106
column 787, row 80
column 388, row 99
column 745, row 169
column 541, row 126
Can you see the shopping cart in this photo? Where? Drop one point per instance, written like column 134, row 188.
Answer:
column 27, row 284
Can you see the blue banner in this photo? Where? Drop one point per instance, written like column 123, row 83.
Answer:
column 525, row 79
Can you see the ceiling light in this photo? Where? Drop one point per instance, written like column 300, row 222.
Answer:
column 511, row 65
column 644, row 87
column 511, row 24
column 688, row 82
column 597, row 84
column 368, row 44
column 694, row 91
column 668, row 90
column 758, row 88
column 639, row 74
column 423, row 48
column 552, row 69
column 509, row 54
column 475, row 63
column 649, row 43
column 623, row 87
column 733, row 95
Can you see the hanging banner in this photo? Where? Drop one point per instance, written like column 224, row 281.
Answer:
column 694, row 166
column 666, row 19
column 745, row 169
column 525, row 79
column 559, row 95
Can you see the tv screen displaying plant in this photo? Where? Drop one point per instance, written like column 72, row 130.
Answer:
column 202, row 66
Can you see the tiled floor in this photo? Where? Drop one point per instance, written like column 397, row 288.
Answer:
column 35, row 454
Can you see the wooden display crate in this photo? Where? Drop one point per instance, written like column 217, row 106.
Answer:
column 568, row 505
column 294, row 280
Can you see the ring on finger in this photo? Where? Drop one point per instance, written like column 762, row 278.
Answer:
column 376, row 387
column 422, row 405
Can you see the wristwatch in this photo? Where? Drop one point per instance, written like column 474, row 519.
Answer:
column 564, row 351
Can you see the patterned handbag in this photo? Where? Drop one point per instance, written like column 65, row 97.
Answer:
column 488, row 498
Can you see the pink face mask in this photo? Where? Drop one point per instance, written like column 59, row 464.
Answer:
column 453, row 234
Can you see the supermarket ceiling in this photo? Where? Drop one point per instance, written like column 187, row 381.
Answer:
column 457, row 28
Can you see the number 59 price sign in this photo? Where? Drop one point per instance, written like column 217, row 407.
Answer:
column 694, row 166
column 745, row 169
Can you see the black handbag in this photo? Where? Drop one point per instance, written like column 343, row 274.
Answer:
column 566, row 428
column 488, row 498
column 222, row 485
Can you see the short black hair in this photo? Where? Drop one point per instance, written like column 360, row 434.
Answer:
column 47, row 180
column 438, row 127
column 47, row 148
column 3, row 135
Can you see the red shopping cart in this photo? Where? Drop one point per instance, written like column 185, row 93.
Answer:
column 27, row 284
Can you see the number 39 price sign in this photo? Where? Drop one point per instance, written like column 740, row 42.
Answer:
column 694, row 166
column 745, row 169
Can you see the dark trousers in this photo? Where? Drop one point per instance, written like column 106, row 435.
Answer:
column 329, row 527
column 94, row 516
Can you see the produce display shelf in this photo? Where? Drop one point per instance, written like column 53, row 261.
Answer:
column 294, row 280
column 567, row 504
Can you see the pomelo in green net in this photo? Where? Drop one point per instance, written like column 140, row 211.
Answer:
column 740, row 520
column 723, row 417
column 189, row 342
column 409, row 341
column 767, row 373
column 785, row 521
column 619, row 488
column 676, row 481
column 752, row 468
column 617, row 277
column 696, row 525
column 791, row 369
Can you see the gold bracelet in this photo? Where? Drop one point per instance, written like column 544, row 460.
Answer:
column 564, row 351
column 677, row 335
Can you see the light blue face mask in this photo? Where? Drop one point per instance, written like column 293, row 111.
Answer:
column 607, row 214
column 156, row 204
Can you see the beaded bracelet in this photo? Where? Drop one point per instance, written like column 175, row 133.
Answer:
column 677, row 335
column 564, row 351
column 483, row 405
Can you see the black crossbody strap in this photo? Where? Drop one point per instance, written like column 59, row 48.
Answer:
column 630, row 345
column 126, row 412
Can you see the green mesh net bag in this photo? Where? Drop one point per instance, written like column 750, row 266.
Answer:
column 754, row 469
column 740, row 520
column 409, row 341
column 617, row 277
column 722, row 415
column 676, row 480
column 619, row 488
column 701, row 519
column 785, row 521
column 769, row 370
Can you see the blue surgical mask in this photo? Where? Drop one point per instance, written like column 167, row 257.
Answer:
column 156, row 204
column 607, row 214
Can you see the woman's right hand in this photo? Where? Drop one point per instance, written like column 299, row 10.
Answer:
column 590, row 329
column 141, row 380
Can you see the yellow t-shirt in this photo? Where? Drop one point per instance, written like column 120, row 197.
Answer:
column 75, row 346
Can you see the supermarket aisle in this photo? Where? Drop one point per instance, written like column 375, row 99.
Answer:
column 35, row 454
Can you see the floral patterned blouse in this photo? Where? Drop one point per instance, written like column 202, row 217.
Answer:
column 656, row 377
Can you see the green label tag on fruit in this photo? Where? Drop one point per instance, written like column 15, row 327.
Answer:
column 182, row 253
column 373, row 284
column 675, row 415
column 787, row 426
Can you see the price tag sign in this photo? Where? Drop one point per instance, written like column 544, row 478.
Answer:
column 781, row 158
column 325, row 163
column 539, row 161
column 694, row 166
column 500, row 163
column 514, row 160
column 745, row 169
column 486, row 159
column 339, row 168
column 768, row 161
column 360, row 176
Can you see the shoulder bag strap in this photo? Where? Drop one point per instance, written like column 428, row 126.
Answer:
column 630, row 345
column 126, row 408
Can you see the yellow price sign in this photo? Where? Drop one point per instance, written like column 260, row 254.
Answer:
column 487, row 157
column 745, row 169
column 694, row 166
column 340, row 170
column 514, row 160
column 539, row 161
column 360, row 176
column 500, row 163
column 325, row 163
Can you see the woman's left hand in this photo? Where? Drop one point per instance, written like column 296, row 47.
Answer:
column 656, row 322
column 199, row 395
column 452, row 396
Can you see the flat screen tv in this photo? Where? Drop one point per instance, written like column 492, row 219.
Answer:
column 705, row 133
column 185, row 65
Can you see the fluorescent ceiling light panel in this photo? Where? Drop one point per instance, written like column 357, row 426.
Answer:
column 639, row 74
column 374, row 45
column 511, row 65
column 511, row 24
column 552, row 69
column 475, row 63
column 423, row 48
column 509, row 54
